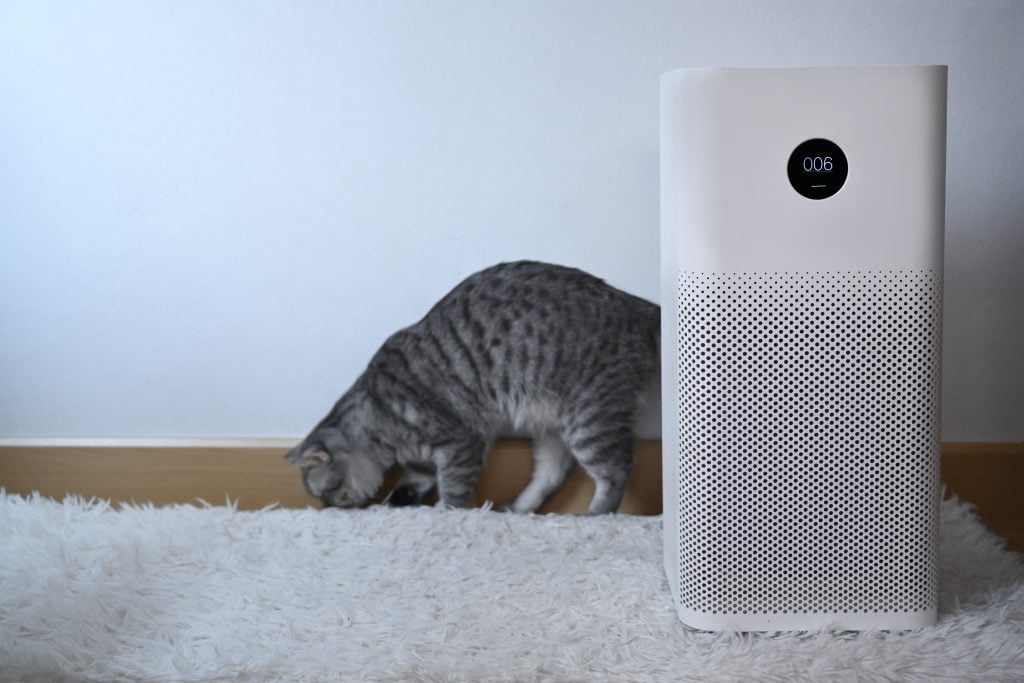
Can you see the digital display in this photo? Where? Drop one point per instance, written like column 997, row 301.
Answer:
column 817, row 168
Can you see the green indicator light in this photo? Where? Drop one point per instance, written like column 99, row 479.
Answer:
column 817, row 186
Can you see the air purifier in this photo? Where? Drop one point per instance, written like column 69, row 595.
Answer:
column 802, row 214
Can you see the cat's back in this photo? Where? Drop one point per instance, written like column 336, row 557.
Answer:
column 520, row 341
column 524, row 318
column 552, row 293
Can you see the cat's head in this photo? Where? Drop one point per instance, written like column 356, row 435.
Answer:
column 336, row 471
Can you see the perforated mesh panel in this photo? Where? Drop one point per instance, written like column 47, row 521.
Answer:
column 808, row 472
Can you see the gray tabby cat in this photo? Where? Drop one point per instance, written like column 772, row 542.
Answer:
column 538, row 348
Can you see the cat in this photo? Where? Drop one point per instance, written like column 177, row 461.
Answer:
column 542, row 349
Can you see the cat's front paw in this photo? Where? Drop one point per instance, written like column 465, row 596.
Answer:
column 454, row 503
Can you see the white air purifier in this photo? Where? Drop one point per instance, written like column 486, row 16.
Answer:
column 802, row 215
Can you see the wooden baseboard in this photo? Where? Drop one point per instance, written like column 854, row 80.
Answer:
column 256, row 475
column 990, row 476
column 253, row 473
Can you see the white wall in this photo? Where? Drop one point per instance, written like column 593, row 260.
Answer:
column 212, row 213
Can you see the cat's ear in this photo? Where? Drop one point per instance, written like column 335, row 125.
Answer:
column 308, row 455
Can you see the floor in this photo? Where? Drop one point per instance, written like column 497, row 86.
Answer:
column 991, row 476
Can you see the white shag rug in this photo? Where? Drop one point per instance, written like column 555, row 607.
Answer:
column 90, row 592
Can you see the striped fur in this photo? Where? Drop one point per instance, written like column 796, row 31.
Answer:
column 526, row 347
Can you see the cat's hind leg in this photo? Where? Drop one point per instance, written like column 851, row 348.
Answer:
column 604, row 449
column 551, row 467
column 416, row 482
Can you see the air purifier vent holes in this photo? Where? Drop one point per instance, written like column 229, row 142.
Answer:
column 809, row 407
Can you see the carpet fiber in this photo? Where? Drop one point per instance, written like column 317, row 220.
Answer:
column 90, row 592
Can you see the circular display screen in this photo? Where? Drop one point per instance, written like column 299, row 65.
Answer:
column 817, row 168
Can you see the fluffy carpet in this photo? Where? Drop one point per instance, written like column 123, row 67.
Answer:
column 93, row 592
